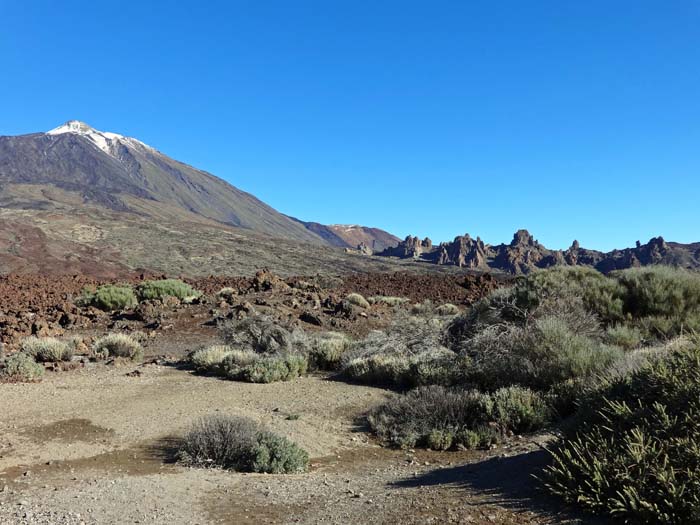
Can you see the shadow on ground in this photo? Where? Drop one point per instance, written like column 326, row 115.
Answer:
column 508, row 482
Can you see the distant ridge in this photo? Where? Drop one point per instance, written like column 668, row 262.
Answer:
column 525, row 254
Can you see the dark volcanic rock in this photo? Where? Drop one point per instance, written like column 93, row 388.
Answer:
column 525, row 254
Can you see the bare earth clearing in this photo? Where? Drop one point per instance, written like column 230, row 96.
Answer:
column 94, row 446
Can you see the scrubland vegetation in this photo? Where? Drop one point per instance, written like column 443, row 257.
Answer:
column 615, row 354
column 114, row 297
column 259, row 350
column 238, row 443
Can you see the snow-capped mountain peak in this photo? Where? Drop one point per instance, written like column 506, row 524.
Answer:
column 104, row 140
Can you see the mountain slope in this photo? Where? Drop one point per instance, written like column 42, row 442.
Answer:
column 351, row 236
column 106, row 169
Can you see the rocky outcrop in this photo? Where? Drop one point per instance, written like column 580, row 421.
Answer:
column 410, row 247
column 364, row 249
column 525, row 254
column 464, row 252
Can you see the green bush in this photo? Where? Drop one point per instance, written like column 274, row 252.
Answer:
column 110, row 297
column 149, row 290
column 327, row 349
column 519, row 409
column 259, row 368
column 238, row 443
column 600, row 294
column 47, row 349
column 275, row 454
column 21, row 367
column 210, row 359
column 357, row 300
column 666, row 300
column 538, row 355
column 635, row 451
column 469, row 439
column 432, row 416
column 117, row 345
column 626, row 337
column 440, row 439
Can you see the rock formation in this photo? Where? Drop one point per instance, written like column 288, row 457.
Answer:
column 525, row 254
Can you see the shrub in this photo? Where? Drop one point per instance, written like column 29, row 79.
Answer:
column 469, row 439
column 149, row 290
column 257, row 368
column 519, row 409
column 378, row 369
column 600, row 294
column 387, row 300
column 117, row 345
column 220, row 441
column 407, row 354
column 665, row 299
column 537, row 355
column 235, row 362
column 440, row 439
column 21, row 367
column 447, row 309
column 635, row 453
column 210, row 359
column 47, row 349
column 431, row 415
column 626, row 337
column 357, row 300
column 261, row 334
column 111, row 297
column 275, row 454
column 327, row 349
column 272, row 369
column 238, row 443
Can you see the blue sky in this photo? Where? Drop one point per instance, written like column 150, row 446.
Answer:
column 436, row 118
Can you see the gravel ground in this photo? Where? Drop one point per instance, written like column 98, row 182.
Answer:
column 94, row 446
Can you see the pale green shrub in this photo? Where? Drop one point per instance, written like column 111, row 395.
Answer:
column 149, row 290
column 327, row 349
column 275, row 454
column 47, row 349
column 259, row 368
column 626, row 337
column 21, row 367
column 110, row 297
column 117, row 345
column 210, row 359
column 357, row 300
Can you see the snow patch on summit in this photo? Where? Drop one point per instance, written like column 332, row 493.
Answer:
column 104, row 140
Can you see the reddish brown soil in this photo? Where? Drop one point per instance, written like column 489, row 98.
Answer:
column 463, row 290
column 46, row 305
